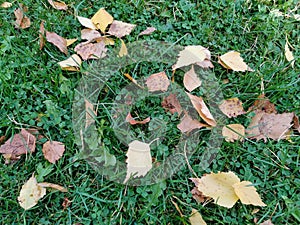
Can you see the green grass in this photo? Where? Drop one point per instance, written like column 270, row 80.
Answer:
column 34, row 91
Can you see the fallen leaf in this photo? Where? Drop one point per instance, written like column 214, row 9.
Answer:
column 41, row 35
column 288, row 53
column 58, row 41
column 187, row 124
column 232, row 60
column 197, row 195
column 2, row 139
column 6, row 5
column 53, row 150
column 263, row 104
column 139, row 160
column 147, row 31
column 196, row 218
column 71, row 41
column 22, row 21
column 54, row 186
column 90, row 113
column 58, row 5
column 171, row 104
column 158, row 82
column 233, row 132
column 21, row 143
column 253, row 130
column 86, row 22
column 267, row 222
column 91, row 50
column 123, row 49
column 66, row 203
column 120, row 29
column 89, row 34
column 71, row 64
column 202, row 109
column 247, row 193
column 206, row 63
column 31, row 193
column 191, row 80
column 190, row 55
column 296, row 123
column 102, row 19
column 132, row 121
column 232, row 107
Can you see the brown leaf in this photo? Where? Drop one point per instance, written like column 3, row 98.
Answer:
column 202, row 109
column 58, row 41
column 232, row 60
column 296, row 123
column 53, row 150
column 54, row 186
column 263, row 104
column 187, row 124
column 158, row 82
column 2, row 139
column 22, row 21
column 21, row 143
column 198, row 195
column 253, row 130
column 102, row 19
column 91, row 50
column 66, row 203
column 132, row 121
column 267, row 222
column 120, row 29
column 41, row 35
column 232, row 107
column 90, row 113
column 58, row 5
column 171, row 104
column 89, row 34
column 233, row 132
column 147, row 31
column 191, row 80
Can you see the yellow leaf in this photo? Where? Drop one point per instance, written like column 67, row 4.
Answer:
column 71, row 41
column 288, row 54
column 123, row 49
column 102, row 19
column 30, row 193
column 86, row 22
column 190, row 55
column 6, row 5
column 196, row 218
column 219, row 187
column 191, row 80
column 233, row 132
column 233, row 61
column 71, row 64
column 247, row 193
column 139, row 160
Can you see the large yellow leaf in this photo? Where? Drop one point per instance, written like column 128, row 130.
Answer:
column 190, row 55
column 196, row 218
column 102, row 19
column 219, row 187
column 247, row 193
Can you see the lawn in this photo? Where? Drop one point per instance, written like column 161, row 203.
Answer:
column 36, row 93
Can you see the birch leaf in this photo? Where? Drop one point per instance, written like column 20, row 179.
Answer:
column 190, row 55
column 102, row 19
column 120, row 29
column 86, row 22
column 232, row 60
column 71, row 64
column 233, row 132
column 191, row 80
column 123, row 49
column 53, row 150
column 196, row 218
column 247, row 193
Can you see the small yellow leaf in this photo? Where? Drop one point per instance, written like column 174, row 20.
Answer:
column 86, row 22
column 30, row 193
column 71, row 41
column 191, row 80
column 233, row 132
column 102, row 19
column 6, row 5
column 123, row 49
column 190, row 55
column 232, row 60
column 288, row 53
column 71, row 64
column 196, row 218
column 247, row 193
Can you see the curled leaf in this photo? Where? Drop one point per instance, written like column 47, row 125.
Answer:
column 58, row 41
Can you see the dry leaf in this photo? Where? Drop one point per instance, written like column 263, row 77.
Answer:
column 120, row 29
column 232, row 60
column 158, row 82
column 58, row 5
column 41, row 35
column 247, row 193
column 102, row 19
column 197, row 195
column 90, row 34
column 253, row 130
column 22, row 21
column 2, row 139
column 190, row 55
column 71, row 64
column 58, row 41
column 90, row 113
column 296, row 123
column 71, row 41
column 6, row 5
column 91, row 50
column 147, row 31
column 21, row 143
column 53, row 150
column 191, row 80
column 86, row 22
column 196, row 218
column 233, row 132
column 132, row 121
column 171, row 104
column 123, row 49
column 139, row 160
column 267, row 222
column 232, row 107
column 187, row 124
column 54, row 186
column 263, row 104
column 30, row 193
column 202, row 109
column 288, row 54
column 66, row 203
column 206, row 63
